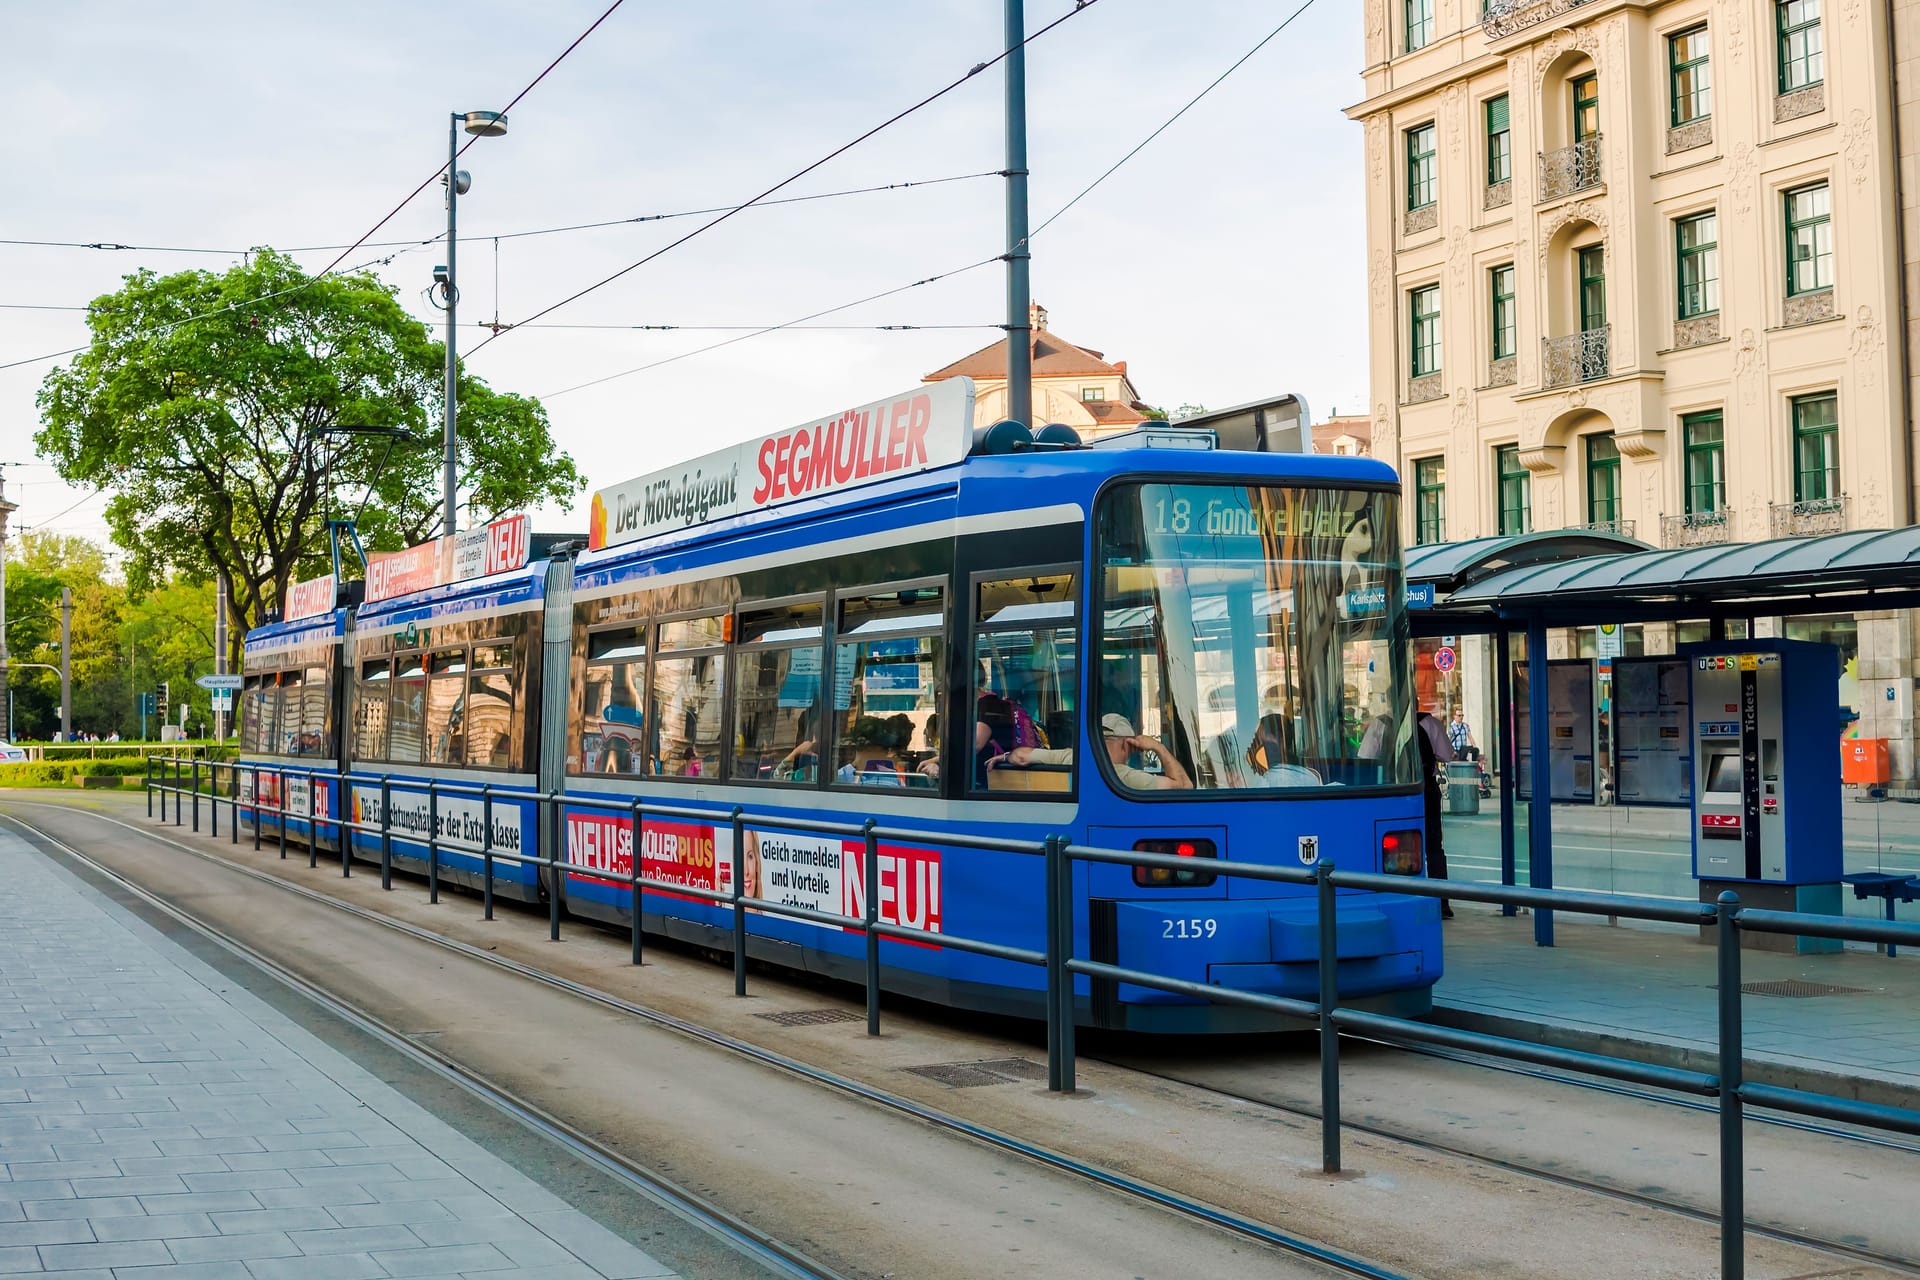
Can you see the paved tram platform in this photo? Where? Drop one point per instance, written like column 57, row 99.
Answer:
column 1846, row 1023
column 158, row 1122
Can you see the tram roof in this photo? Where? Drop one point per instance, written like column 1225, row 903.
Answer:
column 1832, row 573
column 1019, row 472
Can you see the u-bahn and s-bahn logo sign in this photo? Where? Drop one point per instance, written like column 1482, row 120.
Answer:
column 930, row 426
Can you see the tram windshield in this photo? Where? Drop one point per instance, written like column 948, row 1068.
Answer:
column 1258, row 635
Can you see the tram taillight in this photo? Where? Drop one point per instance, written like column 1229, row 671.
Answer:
column 1403, row 853
column 1167, row 877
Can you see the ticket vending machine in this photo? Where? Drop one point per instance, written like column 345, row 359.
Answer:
column 1766, row 771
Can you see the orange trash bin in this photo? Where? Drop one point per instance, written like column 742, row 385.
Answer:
column 1863, row 762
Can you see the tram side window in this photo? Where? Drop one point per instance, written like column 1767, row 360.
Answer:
column 684, row 712
column 406, row 709
column 612, row 738
column 889, row 684
column 316, row 738
column 370, row 712
column 250, row 701
column 776, row 692
column 1026, row 673
column 490, row 707
column 446, row 728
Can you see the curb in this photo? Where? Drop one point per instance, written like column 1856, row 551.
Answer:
column 1664, row 1053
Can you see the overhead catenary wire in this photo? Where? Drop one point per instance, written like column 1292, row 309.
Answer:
column 796, row 322
column 1080, row 6
column 329, row 268
column 1168, row 123
column 531, row 231
column 725, row 328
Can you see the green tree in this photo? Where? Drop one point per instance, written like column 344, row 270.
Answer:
column 39, row 566
column 201, row 406
column 168, row 634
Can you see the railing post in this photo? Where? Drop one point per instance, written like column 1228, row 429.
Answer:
column 386, row 831
column 739, row 907
column 179, row 788
column 213, row 796
column 1055, row 1054
column 433, row 841
column 870, row 877
column 344, row 798
column 554, row 874
column 634, row 867
column 196, row 797
column 280, row 794
column 149, row 786
column 233, row 828
column 1329, row 1033
column 253, row 804
column 486, row 848
column 1063, row 872
column 1733, row 1159
column 313, row 827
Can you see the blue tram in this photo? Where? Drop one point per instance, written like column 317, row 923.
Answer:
column 886, row 615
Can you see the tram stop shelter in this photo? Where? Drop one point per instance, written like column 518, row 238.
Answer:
column 1575, row 578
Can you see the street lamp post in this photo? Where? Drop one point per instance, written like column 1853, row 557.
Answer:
column 481, row 124
column 6, row 692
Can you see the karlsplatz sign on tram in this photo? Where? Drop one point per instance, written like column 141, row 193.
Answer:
column 928, row 427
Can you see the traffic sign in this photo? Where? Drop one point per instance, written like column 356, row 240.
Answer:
column 1443, row 660
column 223, row 700
column 219, row 682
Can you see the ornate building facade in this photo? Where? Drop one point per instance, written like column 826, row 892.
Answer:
column 1645, row 265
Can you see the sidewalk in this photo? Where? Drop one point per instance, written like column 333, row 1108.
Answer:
column 158, row 1122
column 1649, row 993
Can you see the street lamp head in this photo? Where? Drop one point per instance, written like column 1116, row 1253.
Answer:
column 484, row 124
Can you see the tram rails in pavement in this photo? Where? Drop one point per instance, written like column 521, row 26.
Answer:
column 976, row 637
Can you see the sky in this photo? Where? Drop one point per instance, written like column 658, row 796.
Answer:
column 1224, row 263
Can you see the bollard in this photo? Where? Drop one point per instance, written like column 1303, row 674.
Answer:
column 1733, row 1199
column 433, row 843
column 739, row 908
column 870, row 872
column 1329, row 1033
column 386, row 831
column 1053, row 949
column 486, row 848
column 1063, row 891
column 633, row 866
column 553, row 895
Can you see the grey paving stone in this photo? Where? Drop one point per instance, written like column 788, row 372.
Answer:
column 252, row 1220
column 18, row 1258
column 182, row 1271
column 404, row 1212
column 259, row 1245
column 203, row 1202
column 333, row 1194
column 337, row 1266
column 125, row 1253
column 356, row 1239
column 94, row 1207
column 253, row 1180
column 128, row 1186
column 439, row 1261
column 163, row 1226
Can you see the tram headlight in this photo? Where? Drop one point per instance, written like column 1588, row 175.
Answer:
column 1166, row 877
column 1403, row 853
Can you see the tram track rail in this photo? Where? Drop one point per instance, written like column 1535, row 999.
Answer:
column 1334, row 1261
column 1835, row 1248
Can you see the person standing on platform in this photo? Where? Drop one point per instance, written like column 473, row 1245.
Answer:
column 1435, row 750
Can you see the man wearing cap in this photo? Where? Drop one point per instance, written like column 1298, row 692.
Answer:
column 1121, row 742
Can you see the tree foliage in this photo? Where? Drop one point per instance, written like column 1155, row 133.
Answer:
column 201, row 402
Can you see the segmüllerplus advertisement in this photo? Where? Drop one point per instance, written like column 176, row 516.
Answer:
column 301, row 799
column 819, row 872
column 457, row 822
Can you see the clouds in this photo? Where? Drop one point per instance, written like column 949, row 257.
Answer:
column 1223, row 263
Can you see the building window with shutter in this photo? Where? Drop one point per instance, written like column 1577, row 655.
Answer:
column 1499, row 142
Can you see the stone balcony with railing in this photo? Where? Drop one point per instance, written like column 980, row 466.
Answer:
column 1697, row 529
column 1502, row 18
column 1616, row 525
column 1577, row 357
column 1805, row 519
column 1570, row 169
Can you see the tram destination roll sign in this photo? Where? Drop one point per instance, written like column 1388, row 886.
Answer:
column 930, row 426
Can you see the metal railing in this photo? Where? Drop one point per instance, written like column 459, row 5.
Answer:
column 1569, row 169
column 1815, row 516
column 181, row 779
column 1697, row 528
column 1575, row 357
column 1618, row 524
column 1501, row 18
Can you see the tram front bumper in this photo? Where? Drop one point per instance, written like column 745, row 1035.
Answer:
column 1385, row 942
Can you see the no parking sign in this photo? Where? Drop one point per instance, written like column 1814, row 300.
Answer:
column 1443, row 660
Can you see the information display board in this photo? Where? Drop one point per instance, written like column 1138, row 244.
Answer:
column 1653, row 760
column 1570, row 729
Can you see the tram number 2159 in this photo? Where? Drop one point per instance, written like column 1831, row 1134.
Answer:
column 1190, row 927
